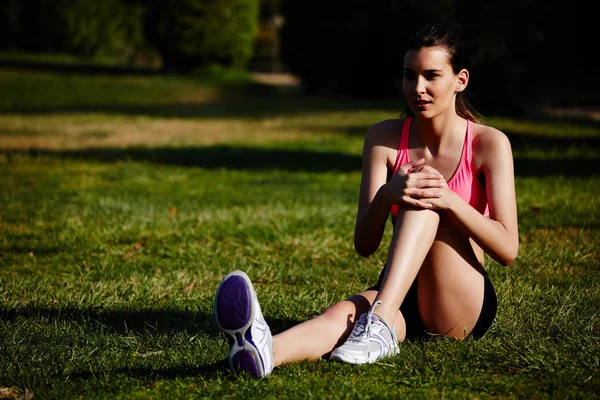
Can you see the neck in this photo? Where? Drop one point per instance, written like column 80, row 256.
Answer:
column 439, row 132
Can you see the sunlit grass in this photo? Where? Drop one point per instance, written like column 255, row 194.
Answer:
column 118, row 222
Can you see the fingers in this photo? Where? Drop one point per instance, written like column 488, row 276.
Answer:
column 435, row 202
column 416, row 202
column 417, row 163
column 411, row 165
column 427, row 183
column 425, row 168
column 423, row 193
column 413, row 176
column 425, row 180
column 418, row 166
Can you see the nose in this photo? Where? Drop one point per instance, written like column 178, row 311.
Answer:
column 420, row 84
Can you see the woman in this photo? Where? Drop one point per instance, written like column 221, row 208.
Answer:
column 448, row 183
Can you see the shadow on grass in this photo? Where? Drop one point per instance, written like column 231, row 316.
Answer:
column 569, row 167
column 90, row 68
column 149, row 322
column 246, row 101
column 153, row 374
column 251, row 102
column 241, row 97
column 254, row 158
column 216, row 157
column 125, row 322
column 535, row 142
column 238, row 97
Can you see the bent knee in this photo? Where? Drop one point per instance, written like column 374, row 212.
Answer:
column 346, row 311
column 342, row 312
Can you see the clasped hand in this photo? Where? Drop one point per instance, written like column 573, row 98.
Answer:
column 419, row 185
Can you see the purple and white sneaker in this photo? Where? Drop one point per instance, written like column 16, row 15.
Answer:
column 239, row 316
column 371, row 340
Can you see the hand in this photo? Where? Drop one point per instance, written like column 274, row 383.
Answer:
column 443, row 196
column 414, row 184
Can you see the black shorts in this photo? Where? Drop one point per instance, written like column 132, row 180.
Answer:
column 415, row 328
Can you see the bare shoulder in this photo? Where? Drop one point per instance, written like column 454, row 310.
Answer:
column 486, row 136
column 382, row 141
column 489, row 143
column 385, row 133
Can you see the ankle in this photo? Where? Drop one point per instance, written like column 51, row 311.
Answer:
column 386, row 314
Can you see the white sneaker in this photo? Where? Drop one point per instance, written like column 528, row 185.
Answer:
column 371, row 340
column 239, row 316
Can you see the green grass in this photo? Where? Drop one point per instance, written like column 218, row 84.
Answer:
column 126, row 198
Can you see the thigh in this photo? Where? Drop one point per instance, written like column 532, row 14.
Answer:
column 450, row 285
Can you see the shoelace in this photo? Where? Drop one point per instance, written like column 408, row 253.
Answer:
column 361, row 325
column 370, row 318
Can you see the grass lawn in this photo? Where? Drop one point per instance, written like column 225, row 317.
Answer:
column 127, row 195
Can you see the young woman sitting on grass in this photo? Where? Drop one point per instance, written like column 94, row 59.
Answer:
column 448, row 183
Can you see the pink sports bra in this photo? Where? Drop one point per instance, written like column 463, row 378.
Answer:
column 462, row 182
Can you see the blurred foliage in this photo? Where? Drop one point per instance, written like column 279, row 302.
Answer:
column 188, row 33
column 523, row 52
column 185, row 33
column 79, row 27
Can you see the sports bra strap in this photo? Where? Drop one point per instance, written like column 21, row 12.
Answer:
column 469, row 146
column 405, row 134
column 403, row 142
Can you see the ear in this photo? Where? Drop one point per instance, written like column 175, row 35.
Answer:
column 462, row 80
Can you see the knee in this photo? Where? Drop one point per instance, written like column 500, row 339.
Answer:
column 347, row 311
column 434, row 215
column 343, row 312
column 339, row 320
column 417, row 220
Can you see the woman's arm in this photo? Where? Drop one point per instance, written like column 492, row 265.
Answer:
column 377, row 197
column 497, row 235
column 373, row 208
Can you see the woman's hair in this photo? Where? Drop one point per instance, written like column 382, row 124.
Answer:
column 437, row 35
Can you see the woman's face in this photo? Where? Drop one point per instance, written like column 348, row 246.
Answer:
column 429, row 83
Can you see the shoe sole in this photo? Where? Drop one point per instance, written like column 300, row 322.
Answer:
column 347, row 360
column 234, row 312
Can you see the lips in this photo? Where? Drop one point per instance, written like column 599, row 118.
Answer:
column 422, row 104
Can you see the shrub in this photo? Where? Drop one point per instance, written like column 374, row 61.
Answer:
column 80, row 27
column 190, row 33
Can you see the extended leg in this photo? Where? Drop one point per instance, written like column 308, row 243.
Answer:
column 317, row 337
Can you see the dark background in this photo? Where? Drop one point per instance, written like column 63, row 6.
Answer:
column 524, row 53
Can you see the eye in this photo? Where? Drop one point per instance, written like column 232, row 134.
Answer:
column 431, row 76
column 408, row 75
